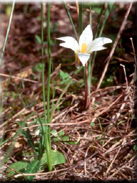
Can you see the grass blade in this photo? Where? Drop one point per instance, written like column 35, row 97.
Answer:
column 71, row 21
column 80, row 18
column 48, row 138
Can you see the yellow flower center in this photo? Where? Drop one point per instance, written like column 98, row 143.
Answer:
column 84, row 48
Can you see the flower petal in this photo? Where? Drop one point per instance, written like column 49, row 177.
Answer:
column 97, row 44
column 83, row 57
column 86, row 37
column 69, row 42
column 99, row 48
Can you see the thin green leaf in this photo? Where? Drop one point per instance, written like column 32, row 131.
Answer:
column 71, row 21
column 38, row 39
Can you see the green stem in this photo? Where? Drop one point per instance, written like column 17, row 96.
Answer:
column 46, row 115
column 48, row 90
column 43, row 71
column 71, row 21
column 87, row 89
column 85, row 69
column 43, row 64
column 99, row 22
column 8, row 29
column 108, row 9
column 80, row 18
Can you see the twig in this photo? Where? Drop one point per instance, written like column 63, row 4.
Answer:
column 61, row 124
column 116, row 116
column 108, row 108
column 113, row 161
column 38, row 174
column 54, row 54
column 13, row 117
column 125, row 75
column 114, row 46
column 77, row 7
column 119, row 169
column 16, row 77
column 133, row 49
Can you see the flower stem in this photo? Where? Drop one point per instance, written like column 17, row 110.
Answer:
column 87, row 89
column 85, row 69
column 88, row 99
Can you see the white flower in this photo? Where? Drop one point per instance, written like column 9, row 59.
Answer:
column 86, row 45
